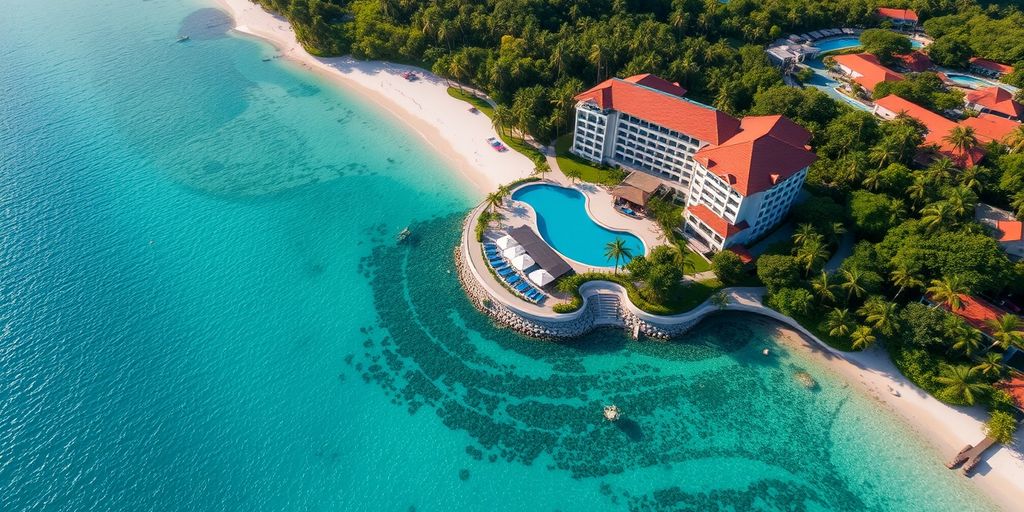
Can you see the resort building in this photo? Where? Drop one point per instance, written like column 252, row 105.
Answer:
column 1005, row 228
column 737, row 178
column 989, row 68
column 996, row 101
column 914, row 62
column 904, row 19
column 989, row 128
column 936, row 128
column 865, row 69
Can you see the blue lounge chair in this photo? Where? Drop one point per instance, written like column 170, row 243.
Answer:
column 532, row 294
column 495, row 260
column 512, row 279
column 522, row 287
column 505, row 272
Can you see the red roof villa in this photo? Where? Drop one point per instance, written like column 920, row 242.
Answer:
column 936, row 128
column 901, row 18
column 915, row 61
column 989, row 68
column 866, row 70
column 996, row 101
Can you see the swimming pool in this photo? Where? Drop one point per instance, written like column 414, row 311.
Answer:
column 968, row 81
column 566, row 226
column 842, row 43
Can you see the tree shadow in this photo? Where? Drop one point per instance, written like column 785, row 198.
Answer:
column 631, row 429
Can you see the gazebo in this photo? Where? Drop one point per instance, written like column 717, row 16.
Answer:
column 636, row 190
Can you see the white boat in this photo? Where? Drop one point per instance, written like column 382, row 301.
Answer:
column 182, row 39
column 403, row 235
column 611, row 412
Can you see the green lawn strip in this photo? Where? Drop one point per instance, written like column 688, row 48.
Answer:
column 814, row 325
column 588, row 172
column 699, row 263
column 486, row 109
column 686, row 298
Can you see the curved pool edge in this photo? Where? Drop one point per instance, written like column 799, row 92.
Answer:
column 535, row 220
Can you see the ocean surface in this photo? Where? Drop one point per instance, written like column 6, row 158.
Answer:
column 202, row 307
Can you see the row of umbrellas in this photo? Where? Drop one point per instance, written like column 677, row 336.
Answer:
column 519, row 259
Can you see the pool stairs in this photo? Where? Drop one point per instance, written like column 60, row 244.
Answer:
column 607, row 309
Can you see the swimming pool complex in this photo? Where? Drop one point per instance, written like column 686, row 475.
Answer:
column 565, row 225
column 843, row 43
column 969, row 81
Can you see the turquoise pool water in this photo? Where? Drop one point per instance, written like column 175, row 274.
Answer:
column 202, row 308
column 565, row 225
column 842, row 43
column 969, row 81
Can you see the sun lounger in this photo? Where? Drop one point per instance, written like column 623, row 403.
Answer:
column 507, row 271
column 512, row 279
column 522, row 287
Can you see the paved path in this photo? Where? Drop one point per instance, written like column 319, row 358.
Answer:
column 844, row 251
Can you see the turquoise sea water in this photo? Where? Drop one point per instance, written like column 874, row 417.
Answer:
column 565, row 224
column 202, row 308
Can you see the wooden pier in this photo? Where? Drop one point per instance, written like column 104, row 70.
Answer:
column 970, row 456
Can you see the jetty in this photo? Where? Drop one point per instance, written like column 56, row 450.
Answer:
column 970, row 456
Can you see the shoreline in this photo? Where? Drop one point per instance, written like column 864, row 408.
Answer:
column 423, row 106
column 1000, row 476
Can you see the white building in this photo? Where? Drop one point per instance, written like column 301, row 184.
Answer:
column 738, row 178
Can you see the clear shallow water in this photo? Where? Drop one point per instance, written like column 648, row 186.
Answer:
column 565, row 224
column 202, row 308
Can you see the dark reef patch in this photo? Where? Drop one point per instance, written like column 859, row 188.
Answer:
column 520, row 398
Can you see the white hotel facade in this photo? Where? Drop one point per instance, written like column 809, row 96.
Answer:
column 738, row 178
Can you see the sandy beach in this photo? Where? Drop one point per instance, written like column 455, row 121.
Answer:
column 424, row 104
column 947, row 429
column 459, row 135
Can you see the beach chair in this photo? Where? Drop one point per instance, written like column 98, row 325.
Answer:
column 512, row 279
column 522, row 287
column 505, row 272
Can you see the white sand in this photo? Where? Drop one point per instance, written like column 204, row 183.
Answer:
column 948, row 429
column 445, row 123
column 424, row 105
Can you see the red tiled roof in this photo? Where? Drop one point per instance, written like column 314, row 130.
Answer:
column 1015, row 387
column 716, row 223
column 997, row 99
column 915, row 61
column 744, row 254
column 657, row 82
column 766, row 151
column 1010, row 230
column 898, row 14
column 976, row 311
column 937, row 127
column 988, row 127
column 872, row 72
column 991, row 65
column 635, row 97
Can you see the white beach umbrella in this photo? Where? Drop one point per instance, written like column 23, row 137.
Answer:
column 523, row 261
column 541, row 277
column 505, row 242
column 513, row 251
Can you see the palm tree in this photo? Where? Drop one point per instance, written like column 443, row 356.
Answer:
column 678, row 20
column 503, row 119
column 966, row 339
column 885, row 152
column 947, row 291
column 839, row 322
column 1015, row 141
column 862, row 337
column 494, row 200
column 919, row 189
column 969, row 179
column 904, row 278
column 504, row 190
column 881, row 315
column 572, row 173
column 596, row 58
column 812, row 253
column 958, row 382
column 803, row 233
column 961, row 201
column 991, row 364
column 823, row 288
column 1006, row 331
column 617, row 250
column 873, row 181
column 1017, row 202
column 936, row 215
column 940, row 171
column 853, row 283
column 962, row 138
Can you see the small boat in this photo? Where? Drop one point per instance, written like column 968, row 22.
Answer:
column 182, row 39
column 266, row 59
column 611, row 412
column 404, row 234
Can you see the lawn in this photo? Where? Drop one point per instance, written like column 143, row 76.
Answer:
column 680, row 300
column 699, row 264
column 486, row 109
column 588, row 172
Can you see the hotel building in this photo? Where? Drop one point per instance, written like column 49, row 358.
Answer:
column 738, row 178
